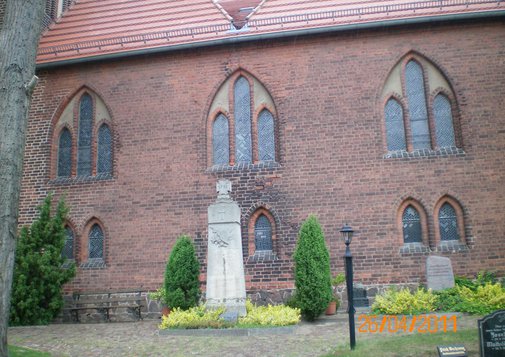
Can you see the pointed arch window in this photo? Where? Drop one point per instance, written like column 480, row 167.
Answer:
column 220, row 140
column 395, row 128
column 242, row 110
column 95, row 242
column 448, row 223
column 104, row 156
column 417, row 115
column 68, row 248
column 85, row 135
column 242, row 124
column 411, row 222
column 263, row 234
column 65, row 154
column 444, row 127
column 266, row 136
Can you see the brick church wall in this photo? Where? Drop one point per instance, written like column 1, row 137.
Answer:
column 331, row 146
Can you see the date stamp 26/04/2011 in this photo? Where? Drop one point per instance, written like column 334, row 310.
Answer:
column 415, row 323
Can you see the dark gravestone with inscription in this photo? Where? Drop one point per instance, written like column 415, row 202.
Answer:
column 439, row 273
column 492, row 334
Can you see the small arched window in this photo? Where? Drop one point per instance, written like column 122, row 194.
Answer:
column 395, row 128
column 266, row 136
column 263, row 234
column 448, row 223
column 242, row 111
column 444, row 127
column 65, row 154
column 414, row 83
column 104, row 158
column 411, row 222
column 68, row 248
column 85, row 135
column 220, row 140
column 95, row 242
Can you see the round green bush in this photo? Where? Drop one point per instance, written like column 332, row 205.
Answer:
column 312, row 270
column 182, row 286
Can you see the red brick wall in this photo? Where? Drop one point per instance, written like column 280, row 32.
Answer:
column 331, row 146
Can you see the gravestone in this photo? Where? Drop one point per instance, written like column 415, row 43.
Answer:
column 225, row 265
column 439, row 273
column 492, row 334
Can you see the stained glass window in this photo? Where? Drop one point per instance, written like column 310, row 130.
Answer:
column 448, row 223
column 443, row 121
column 68, row 248
column 266, row 136
column 65, row 154
column 104, row 159
column 412, row 231
column 96, row 240
column 414, row 82
column 395, row 128
column 242, row 111
column 85, row 136
column 263, row 233
column 220, row 140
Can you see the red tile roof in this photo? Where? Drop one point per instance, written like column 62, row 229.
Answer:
column 91, row 28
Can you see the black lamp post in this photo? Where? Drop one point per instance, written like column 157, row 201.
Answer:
column 347, row 235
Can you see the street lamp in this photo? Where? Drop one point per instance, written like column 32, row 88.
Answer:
column 347, row 232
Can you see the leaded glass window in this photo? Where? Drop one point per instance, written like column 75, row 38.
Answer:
column 448, row 222
column 65, row 154
column 104, row 159
column 263, row 233
column 68, row 248
column 395, row 128
column 96, row 240
column 220, row 140
column 443, row 121
column 412, row 231
column 242, row 111
column 414, row 82
column 85, row 136
column 266, row 137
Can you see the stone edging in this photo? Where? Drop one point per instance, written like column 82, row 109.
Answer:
column 285, row 330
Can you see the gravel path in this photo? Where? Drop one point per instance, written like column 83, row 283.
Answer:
column 142, row 339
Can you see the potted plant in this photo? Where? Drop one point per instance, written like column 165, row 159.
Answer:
column 335, row 301
column 160, row 296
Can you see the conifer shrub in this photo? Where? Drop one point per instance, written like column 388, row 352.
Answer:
column 182, row 286
column 312, row 270
column 38, row 273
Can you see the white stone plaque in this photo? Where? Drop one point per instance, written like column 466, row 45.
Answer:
column 439, row 274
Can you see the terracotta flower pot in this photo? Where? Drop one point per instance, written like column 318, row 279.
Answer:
column 165, row 310
column 332, row 308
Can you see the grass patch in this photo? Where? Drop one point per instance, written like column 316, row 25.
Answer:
column 15, row 351
column 417, row 345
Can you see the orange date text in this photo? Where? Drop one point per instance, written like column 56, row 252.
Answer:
column 402, row 323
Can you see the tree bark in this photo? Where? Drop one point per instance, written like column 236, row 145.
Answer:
column 19, row 37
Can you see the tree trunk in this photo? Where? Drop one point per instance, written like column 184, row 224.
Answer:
column 19, row 38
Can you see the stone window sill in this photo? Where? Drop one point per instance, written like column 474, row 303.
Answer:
column 241, row 166
column 414, row 248
column 453, row 246
column 94, row 263
column 425, row 153
column 80, row 179
column 262, row 256
column 68, row 263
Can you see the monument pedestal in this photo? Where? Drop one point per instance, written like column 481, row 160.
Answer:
column 225, row 265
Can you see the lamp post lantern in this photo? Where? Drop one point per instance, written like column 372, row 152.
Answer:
column 347, row 233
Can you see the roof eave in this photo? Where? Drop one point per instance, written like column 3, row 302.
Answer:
column 276, row 35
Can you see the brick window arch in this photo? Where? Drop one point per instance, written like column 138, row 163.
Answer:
column 220, row 140
column 262, row 234
column 68, row 248
column 449, row 222
column 86, row 118
column 65, row 153
column 242, row 123
column 413, row 223
column 93, row 247
column 419, row 106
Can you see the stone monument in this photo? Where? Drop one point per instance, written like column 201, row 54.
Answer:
column 439, row 274
column 225, row 265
